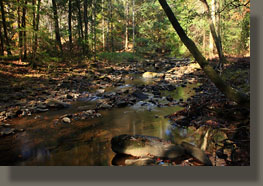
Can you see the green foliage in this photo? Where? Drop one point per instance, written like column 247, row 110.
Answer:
column 244, row 35
column 153, row 32
column 119, row 57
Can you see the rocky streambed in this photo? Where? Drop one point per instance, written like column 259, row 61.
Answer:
column 71, row 120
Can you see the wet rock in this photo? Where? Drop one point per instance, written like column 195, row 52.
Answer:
column 41, row 110
column 98, row 115
column 121, row 103
column 170, row 87
column 42, row 106
column 53, row 103
column 68, row 96
column 5, row 125
column 86, row 115
column 19, row 130
column 101, row 91
column 109, row 94
column 145, row 146
column 7, row 131
column 139, row 162
column 138, row 94
column 85, row 107
column 105, row 106
column 66, row 120
column 10, row 114
column 141, row 105
column 169, row 98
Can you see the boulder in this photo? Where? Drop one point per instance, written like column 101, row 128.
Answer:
column 152, row 75
column 149, row 146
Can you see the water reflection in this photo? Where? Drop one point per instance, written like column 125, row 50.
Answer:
column 88, row 142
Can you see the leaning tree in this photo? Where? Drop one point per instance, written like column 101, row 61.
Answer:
column 230, row 92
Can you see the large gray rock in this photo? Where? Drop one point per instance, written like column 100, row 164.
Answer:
column 149, row 146
column 144, row 146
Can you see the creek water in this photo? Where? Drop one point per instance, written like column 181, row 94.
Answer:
column 88, row 142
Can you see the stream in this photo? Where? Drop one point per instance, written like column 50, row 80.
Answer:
column 87, row 142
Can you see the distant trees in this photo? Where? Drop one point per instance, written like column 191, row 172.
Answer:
column 36, row 30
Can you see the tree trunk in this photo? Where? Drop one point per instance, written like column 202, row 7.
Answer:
column 111, row 27
column 34, row 18
column 8, row 48
column 1, row 42
column 127, row 26
column 69, row 24
column 36, row 27
column 133, row 27
column 229, row 92
column 204, row 41
column 103, row 26
column 20, row 37
column 108, row 30
column 94, row 29
column 24, row 29
column 215, row 36
column 211, row 46
column 58, row 38
column 80, row 27
column 86, row 25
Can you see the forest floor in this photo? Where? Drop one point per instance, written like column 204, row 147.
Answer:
column 24, row 91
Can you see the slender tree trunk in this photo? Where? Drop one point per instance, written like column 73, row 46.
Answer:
column 94, row 29
column 204, row 41
column 213, row 32
column 36, row 27
column 108, row 28
column 34, row 17
column 20, row 37
column 80, row 26
column 103, row 26
column 69, row 24
column 229, row 92
column 133, row 26
column 24, row 29
column 7, row 43
column 107, row 32
column 1, row 42
column 111, row 27
column 211, row 46
column 86, row 28
column 127, row 27
column 58, row 38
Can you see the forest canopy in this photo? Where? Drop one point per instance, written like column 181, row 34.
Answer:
column 43, row 30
